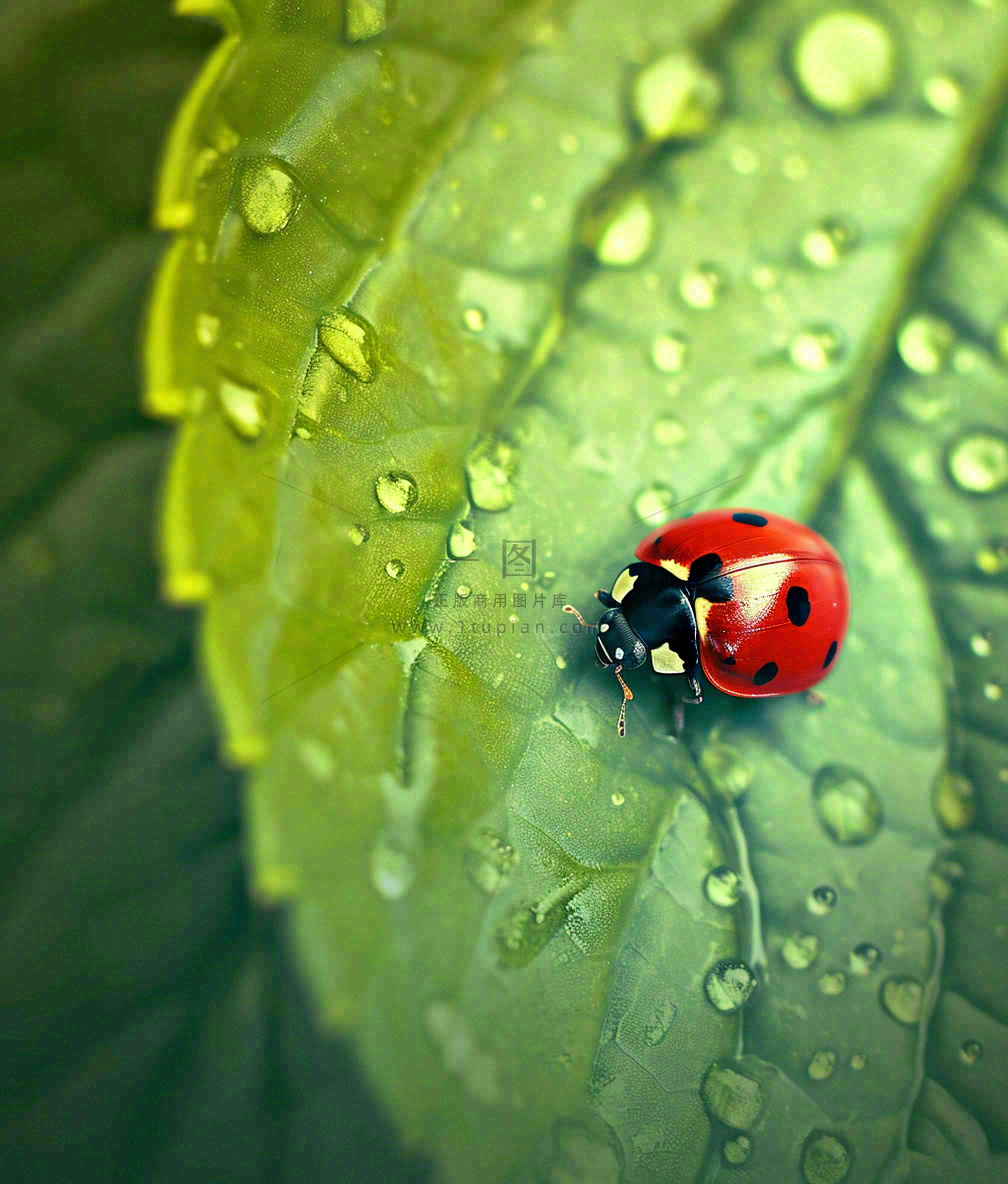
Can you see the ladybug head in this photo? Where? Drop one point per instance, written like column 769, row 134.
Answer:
column 617, row 644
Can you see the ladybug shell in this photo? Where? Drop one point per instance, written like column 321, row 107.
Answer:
column 770, row 597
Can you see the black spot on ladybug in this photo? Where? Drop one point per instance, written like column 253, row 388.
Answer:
column 830, row 654
column 704, row 571
column 729, row 661
column 798, row 605
column 657, row 543
column 749, row 519
column 766, row 673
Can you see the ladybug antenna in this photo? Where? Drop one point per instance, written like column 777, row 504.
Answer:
column 627, row 694
column 569, row 608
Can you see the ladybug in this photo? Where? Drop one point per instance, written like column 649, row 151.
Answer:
column 759, row 602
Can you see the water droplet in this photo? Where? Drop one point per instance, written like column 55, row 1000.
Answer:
column 624, row 234
column 547, row 579
column 978, row 463
column 489, row 861
column 825, row 1160
column 834, row 983
column 944, row 94
column 864, row 958
column 396, row 491
column 723, row 887
column 394, row 568
column 350, row 340
column 844, row 61
column 676, row 97
column 800, row 950
column 727, row 772
column 207, row 329
column 729, row 984
column 489, row 467
column 858, row 1061
column 970, row 1052
column 736, row 1151
column 392, row 871
column 617, row 798
column 993, row 691
column 903, row 999
column 561, row 662
column 821, row 900
column 822, row 1065
column 825, row 245
column 474, row 319
column 267, row 197
column 359, row 534
column 954, row 800
column 731, row 1097
column 653, row 501
column 463, row 591
column 461, row 541
column 992, row 561
column 669, row 433
column 925, row 343
column 243, row 408
column 669, row 352
column 980, row 645
column 846, row 803
column 659, row 1023
column 701, row 286
column 814, row 350
column 743, row 160
column 764, row 278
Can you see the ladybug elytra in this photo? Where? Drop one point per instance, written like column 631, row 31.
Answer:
column 758, row 602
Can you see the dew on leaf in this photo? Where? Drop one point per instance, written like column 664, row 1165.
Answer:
column 358, row 534
column 821, row 900
column 561, row 662
column 728, row 984
column 669, row 433
column 993, row 691
column 461, row 541
column 396, row 491
column 846, row 803
column 980, row 645
column 833, row 983
column 858, row 1061
column 954, row 800
column 864, row 958
column 822, row 1065
column 350, row 340
column 731, row 1097
column 659, row 1023
column 489, row 468
column 903, row 998
column 676, row 98
column 243, row 408
column 474, row 319
column 826, row 244
column 736, row 1151
column 394, row 568
column 617, row 798
column 925, row 343
column 623, row 236
column 843, row 61
column 944, row 94
column 700, row 287
column 825, row 1159
column 723, row 887
column 970, row 1052
column 653, row 501
column 944, row 877
column 207, row 329
column 669, row 352
column 800, row 950
column 463, row 591
column 267, row 196
column 729, row 775
column 992, row 561
column 743, row 160
column 978, row 463
column 814, row 350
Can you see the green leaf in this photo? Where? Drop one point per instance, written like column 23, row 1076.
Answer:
column 498, row 898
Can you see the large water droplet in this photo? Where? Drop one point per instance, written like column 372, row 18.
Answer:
column 847, row 804
column 833, row 983
column 243, row 408
column 624, row 234
column 843, row 61
column 903, row 998
column 858, row 1061
column 821, row 900
column 825, row 1160
column 474, row 319
column 978, row 463
column 815, row 349
column 396, row 491
column 461, row 541
column 954, row 800
column 489, row 861
column 350, row 340
column 394, row 568
column 736, row 1151
column 728, row 984
column 822, row 1065
column 970, row 1052
column 489, row 467
column 267, row 196
column 358, row 534
column 676, row 97
column 723, row 887
column 653, row 501
column 800, row 950
column 732, row 1098
column 925, row 343
column 669, row 352
column 825, row 245
column 944, row 94
column 864, row 958
column 729, row 775
column 701, row 286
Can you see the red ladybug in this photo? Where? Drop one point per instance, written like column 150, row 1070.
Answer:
column 758, row 601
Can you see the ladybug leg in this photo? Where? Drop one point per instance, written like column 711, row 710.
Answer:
column 694, row 686
column 605, row 598
column 627, row 694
